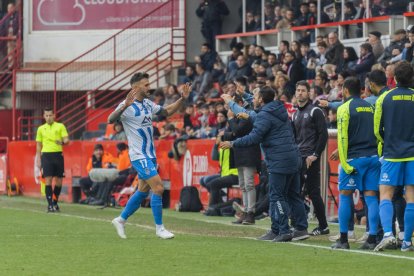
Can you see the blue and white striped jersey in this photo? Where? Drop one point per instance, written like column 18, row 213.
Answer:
column 137, row 122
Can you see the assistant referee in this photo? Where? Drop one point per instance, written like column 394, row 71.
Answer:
column 50, row 138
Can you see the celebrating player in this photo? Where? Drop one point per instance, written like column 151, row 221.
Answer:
column 135, row 113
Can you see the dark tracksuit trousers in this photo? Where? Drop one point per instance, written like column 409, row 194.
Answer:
column 284, row 195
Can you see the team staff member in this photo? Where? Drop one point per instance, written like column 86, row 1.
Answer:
column 50, row 138
column 394, row 129
column 272, row 129
column 311, row 136
column 360, row 166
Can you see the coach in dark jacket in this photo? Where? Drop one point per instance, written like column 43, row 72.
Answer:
column 247, row 161
column 272, row 129
column 311, row 136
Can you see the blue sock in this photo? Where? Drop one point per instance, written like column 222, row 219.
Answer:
column 156, row 206
column 133, row 204
column 386, row 214
column 408, row 222
column 344, row 212
column 373, row 214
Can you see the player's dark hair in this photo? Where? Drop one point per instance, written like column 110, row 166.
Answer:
column 404, row 74
column 303, row 83
column 353, row 85
column 47, row 109
column 378, row 77
column 137, row 77
column 267, row 94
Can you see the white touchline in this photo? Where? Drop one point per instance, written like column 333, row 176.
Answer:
column 146, row 227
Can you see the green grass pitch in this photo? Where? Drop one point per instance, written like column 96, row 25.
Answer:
column 81, row 241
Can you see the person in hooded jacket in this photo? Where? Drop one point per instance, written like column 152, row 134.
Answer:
column 273, row 130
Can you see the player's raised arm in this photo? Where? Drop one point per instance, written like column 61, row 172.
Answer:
column 178, row 104
column 116, row 115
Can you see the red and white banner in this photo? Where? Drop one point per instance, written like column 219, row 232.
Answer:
column 52, row 15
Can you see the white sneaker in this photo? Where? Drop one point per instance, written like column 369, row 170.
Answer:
column 351, row 237
column 120, row 227
column 386, row 241
column 164, row 233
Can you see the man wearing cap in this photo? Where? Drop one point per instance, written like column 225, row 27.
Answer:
column 374, row 38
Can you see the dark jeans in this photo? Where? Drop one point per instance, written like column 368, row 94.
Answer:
column 205, row 179
column 215, row 186
column 399, row 204
column 209, row 31
column 89, row 188
column 311, row 185
column 284, row 192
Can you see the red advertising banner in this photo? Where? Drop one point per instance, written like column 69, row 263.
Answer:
column 52, row 15
column 3, row 172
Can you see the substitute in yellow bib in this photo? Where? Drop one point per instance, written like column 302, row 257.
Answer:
column 50, row 139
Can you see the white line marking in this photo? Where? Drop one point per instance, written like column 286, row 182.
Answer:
column 146, row 227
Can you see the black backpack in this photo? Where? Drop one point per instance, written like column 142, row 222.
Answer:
column 190, row 200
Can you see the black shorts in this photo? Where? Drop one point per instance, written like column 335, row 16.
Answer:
column 53, row 164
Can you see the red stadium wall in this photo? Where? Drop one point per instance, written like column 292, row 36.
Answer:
column 190, row 168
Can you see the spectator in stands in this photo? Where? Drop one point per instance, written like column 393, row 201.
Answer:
column 212, row 118
column 211, row 12
column 236, row 50
column 251, row 56
column 203, row 82
column 269, row 16
column 208, row 56
column 350, row 59
column 311, row 136
column 315, row 94
column 397, row 7
column 295, row 47
column 283, row 48
column 191, row 117
column 172, row 95
column 321, row 80
column 283, row 86
column 243, row 69
column 374, row 38
column 189, row 75
column 308, row 60
column 349, row 14
column 408, row 50
column 10, row 28
column 389, row 73
column 287, row 22
column 365, row 62
column 334, row 54
column 99, row 159
column 293, row 68
column 119, row 133
column 277, row 15
column 217, row 74
column 313, row 16
column 332, row 124
column 396, row 46
column 159, row 96
column 168, row 132
column 259, row 52
column 377, row 8
column 303, row 18
column 251, row 24
column 320, row 60
column 271, row 61
column 247, row 161
column 230, row 89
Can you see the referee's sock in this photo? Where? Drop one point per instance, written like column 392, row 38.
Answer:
column 48, row 190
column 56, row 193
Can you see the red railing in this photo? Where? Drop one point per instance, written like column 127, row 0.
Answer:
column 104, row 71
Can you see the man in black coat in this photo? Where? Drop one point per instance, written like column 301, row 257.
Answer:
column 293, row 68
column 211, row 12
column 311, row 136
